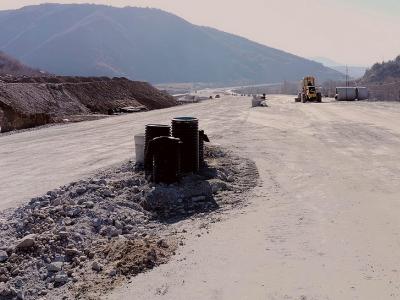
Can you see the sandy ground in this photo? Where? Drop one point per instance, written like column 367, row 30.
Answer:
column 323, row 224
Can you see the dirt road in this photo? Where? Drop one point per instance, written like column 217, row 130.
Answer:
column 33, row 162
column 323, row 223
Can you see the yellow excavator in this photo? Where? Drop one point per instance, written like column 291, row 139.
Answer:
column 309, row 91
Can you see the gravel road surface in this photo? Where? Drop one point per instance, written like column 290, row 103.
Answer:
column 323, row 223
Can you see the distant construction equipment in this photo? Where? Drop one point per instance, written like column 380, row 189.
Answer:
column 308, row 92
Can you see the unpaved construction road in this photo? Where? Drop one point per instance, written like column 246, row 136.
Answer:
column 322, row 224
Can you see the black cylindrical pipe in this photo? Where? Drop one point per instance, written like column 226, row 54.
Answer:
column 153, row 131
column 187, row 130
column 166, row 159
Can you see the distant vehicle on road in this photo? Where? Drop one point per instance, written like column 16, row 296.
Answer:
column 308, row 91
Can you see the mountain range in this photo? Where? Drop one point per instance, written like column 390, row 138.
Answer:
column 353, row 71
column 142, row 44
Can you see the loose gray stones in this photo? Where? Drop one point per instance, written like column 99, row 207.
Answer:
column 89, row 204
column 218, row 185
column 26, row 242
column 3, row 256
column 61, row 278
column 96, row 266
column 55, row 266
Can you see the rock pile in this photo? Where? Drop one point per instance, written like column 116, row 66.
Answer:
column 90, row 234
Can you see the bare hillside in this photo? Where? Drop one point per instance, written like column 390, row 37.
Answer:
column 383, row 80
column 143, row 44
column 11, row 66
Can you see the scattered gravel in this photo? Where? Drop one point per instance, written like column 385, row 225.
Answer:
column 3, row 256
column 82, row 239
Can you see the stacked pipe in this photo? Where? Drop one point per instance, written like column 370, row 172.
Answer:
column 167, row 157
column 187, row 130
column 153, row 131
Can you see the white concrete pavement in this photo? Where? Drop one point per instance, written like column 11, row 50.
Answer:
column 323, row 224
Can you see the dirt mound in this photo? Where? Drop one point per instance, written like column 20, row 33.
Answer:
column 34, row 101
column 81, row 240
column 125, row 258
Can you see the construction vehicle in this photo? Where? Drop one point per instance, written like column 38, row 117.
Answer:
column 308, row 91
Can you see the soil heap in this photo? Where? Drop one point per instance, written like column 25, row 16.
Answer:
column 33, row 101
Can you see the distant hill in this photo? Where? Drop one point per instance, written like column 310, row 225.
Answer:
column 383, row 72
column 353, row 71
column 11, row 66
column 383, row 80
column 325, row 61
column 142, row 44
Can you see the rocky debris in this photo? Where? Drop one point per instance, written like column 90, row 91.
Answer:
column 3, row 256
column 55, row 266
column 6, row 291
column 61, row 278
column 96, row 266
column 26, row 242
column 87, row 236
column 218, row 185
column 192, row 194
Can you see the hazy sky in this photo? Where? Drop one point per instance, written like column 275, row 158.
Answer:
column 355, row 32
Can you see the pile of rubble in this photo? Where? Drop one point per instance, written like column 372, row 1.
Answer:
column 83, row 238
